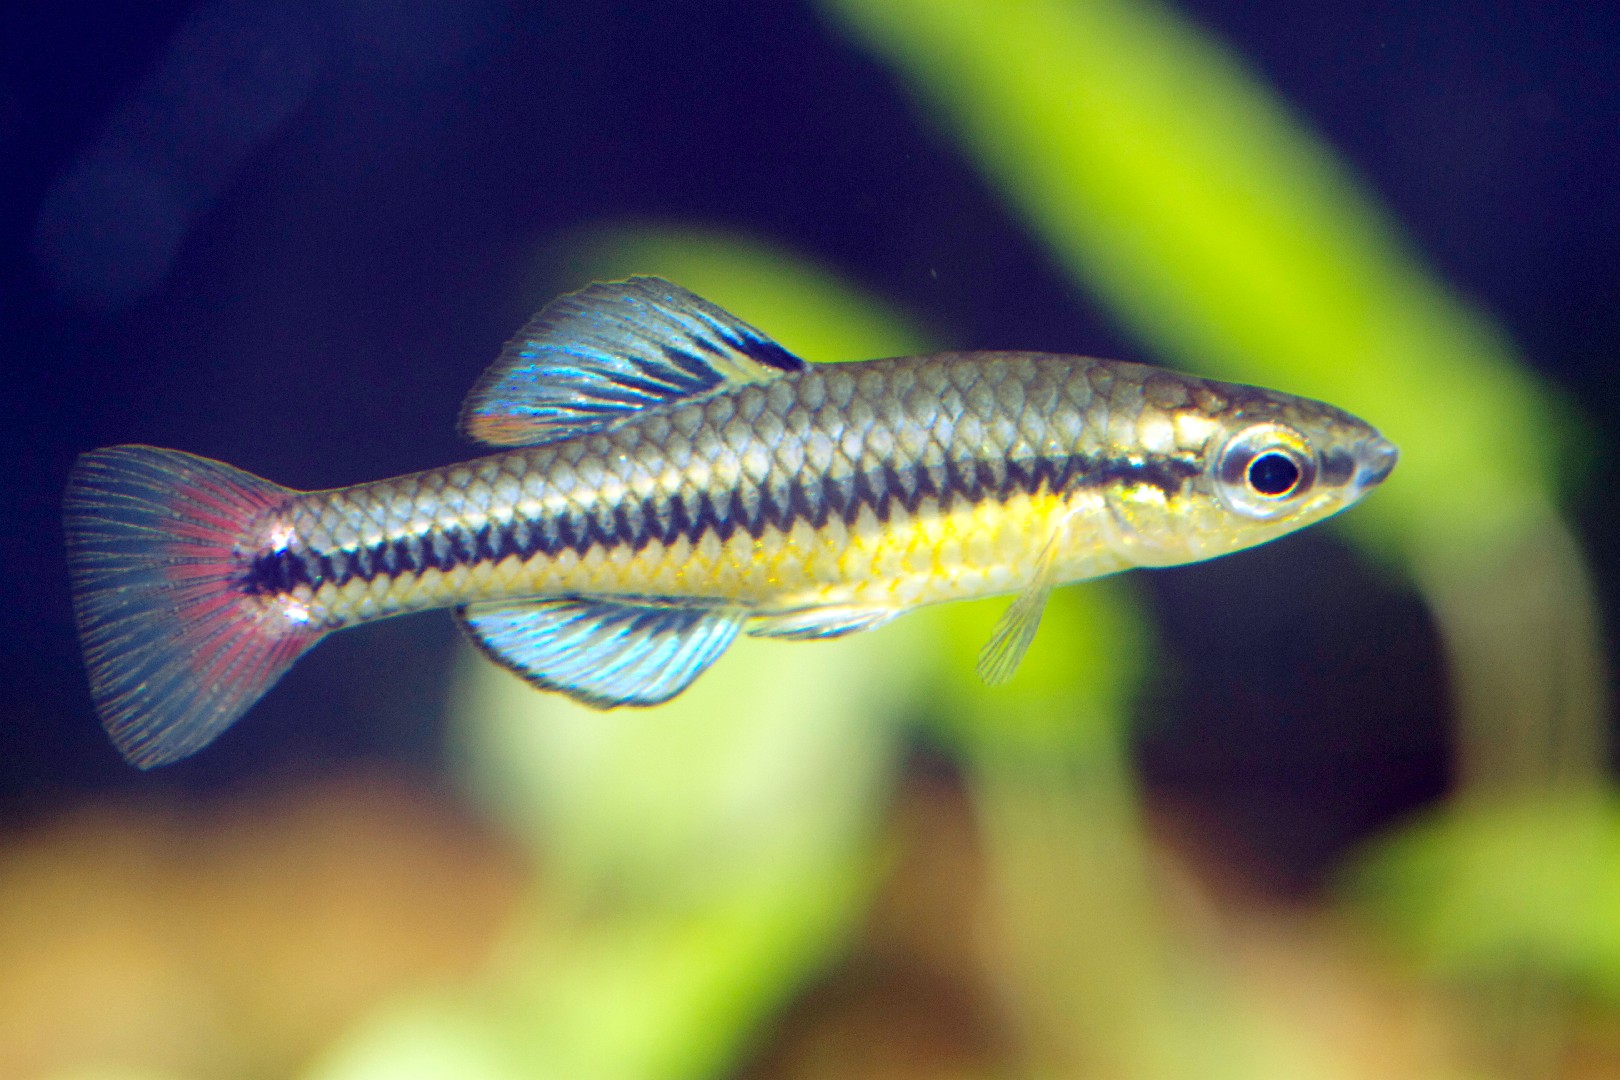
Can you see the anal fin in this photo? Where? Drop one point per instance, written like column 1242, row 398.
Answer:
column 603, row 653
column 818, row 623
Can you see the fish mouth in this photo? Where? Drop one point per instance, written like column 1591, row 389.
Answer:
column 1378, row 457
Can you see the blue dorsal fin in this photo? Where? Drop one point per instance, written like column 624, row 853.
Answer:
column 592, row 358
column 603, row 653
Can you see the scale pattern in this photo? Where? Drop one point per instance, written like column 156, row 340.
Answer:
column 887, row 482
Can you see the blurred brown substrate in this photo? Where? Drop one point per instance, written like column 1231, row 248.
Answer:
column 917, row 996
column 912, row 999
column 236, row 940
column 241, row 939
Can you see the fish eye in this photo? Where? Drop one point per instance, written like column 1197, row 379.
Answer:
column 1273, row 474
column 1264, row 469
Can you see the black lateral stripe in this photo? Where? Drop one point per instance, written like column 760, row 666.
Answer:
column 651, row 528
column 506, row 544
column 961, row 478
column 765, row 514
column 407, row 555
column 543, row 535
column 627, row 532
column 279, row 572
column 838, row 493
column 895, row 487
column 1064, row 470
column 752, row 524
column 484, row 544
column 713, row 518
column 436, row 551
column 461, row 552
column 923, row 479
column 869, row 490
column 567, row 537
column 693, row 516
column 703, row 520
column 598, row 531
column 1020, row 476
column 680, row 522
column 781, row 498
column 803, row 505
column 1168, row 475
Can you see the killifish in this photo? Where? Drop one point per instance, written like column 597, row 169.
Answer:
column 670, row 477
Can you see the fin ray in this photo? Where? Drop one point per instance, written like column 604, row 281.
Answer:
column 603, row 653
column 1015, row 630
column 593, row 358
column 174, row 649
column 820, row 623
column 1011, row 638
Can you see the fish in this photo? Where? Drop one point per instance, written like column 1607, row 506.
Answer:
column 666, row 477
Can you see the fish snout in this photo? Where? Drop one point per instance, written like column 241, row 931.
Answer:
column 1377, row 460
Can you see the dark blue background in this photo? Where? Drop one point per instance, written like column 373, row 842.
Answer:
column 290, row 236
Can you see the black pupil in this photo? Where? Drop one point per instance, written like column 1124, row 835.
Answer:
column 1273, row 474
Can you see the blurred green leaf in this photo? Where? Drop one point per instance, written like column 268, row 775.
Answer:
column 421, row 1038
column 1172, row 183
column 703, row 856
column 1481, row 890
column 777, row 753
column 1074, row 690
column 808, row 309
column 1218, row 229
column 1212, row 222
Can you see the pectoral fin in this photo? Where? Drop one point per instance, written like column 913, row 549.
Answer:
column 1010, row 639
column 603, row 653
column 1016, row 628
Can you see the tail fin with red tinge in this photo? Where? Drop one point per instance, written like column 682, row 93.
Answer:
column 175, row 647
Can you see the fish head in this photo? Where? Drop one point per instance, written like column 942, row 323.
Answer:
column 1252, row 465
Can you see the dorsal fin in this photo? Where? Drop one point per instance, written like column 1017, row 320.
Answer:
column 590, row 359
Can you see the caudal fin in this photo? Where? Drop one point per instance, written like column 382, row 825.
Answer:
column 176, row 649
